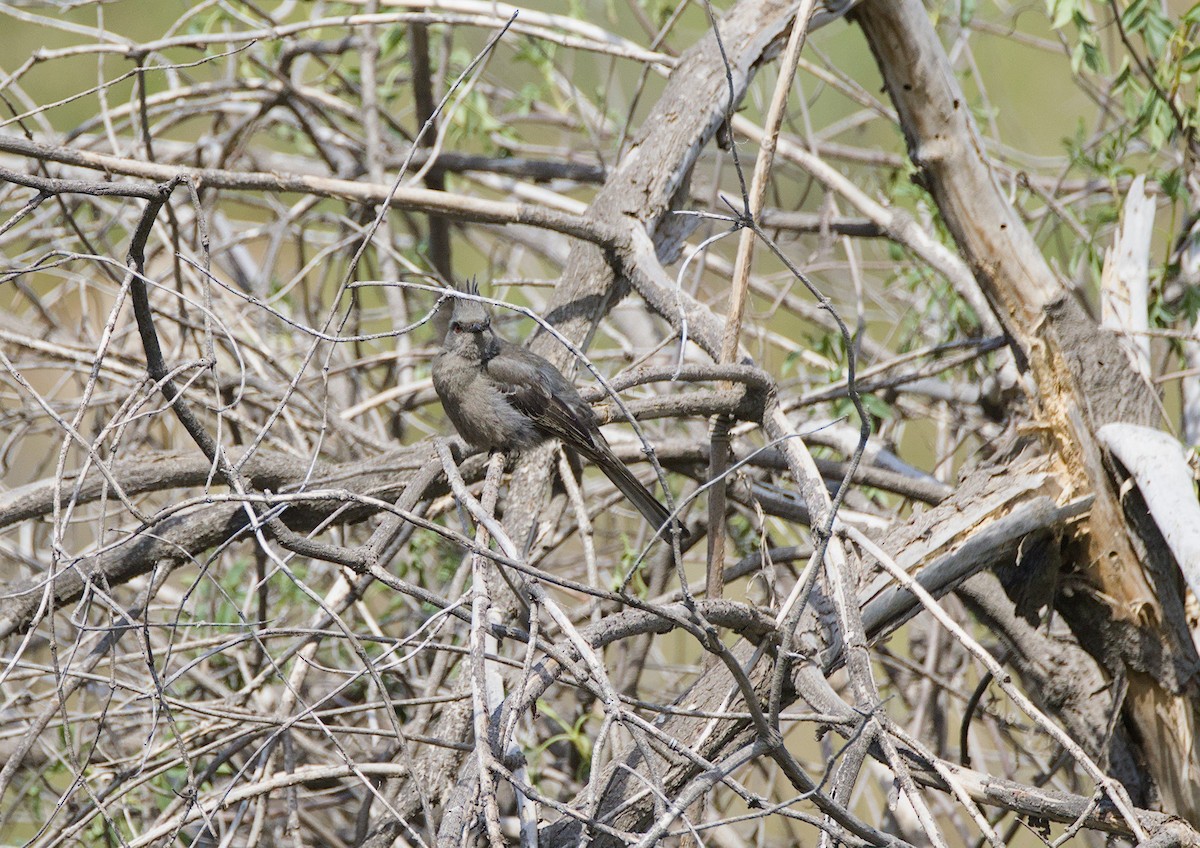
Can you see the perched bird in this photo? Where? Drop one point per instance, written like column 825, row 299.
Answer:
column 500, row 396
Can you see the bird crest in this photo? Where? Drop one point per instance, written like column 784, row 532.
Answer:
column 469, row 310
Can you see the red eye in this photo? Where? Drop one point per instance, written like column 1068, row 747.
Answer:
column 457, row 328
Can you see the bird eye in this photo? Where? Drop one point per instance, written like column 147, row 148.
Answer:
column 456, row 327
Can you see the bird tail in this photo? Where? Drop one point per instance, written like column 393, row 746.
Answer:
column 656, row 515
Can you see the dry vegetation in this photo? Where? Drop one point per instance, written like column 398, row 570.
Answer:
column 252, row 592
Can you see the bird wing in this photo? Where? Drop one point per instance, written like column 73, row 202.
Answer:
column 536, row 389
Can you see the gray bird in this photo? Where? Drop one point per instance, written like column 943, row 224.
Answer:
column 500, row 396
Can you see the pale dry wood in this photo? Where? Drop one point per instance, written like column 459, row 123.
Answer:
column 1125, row 277
column 1081, row 381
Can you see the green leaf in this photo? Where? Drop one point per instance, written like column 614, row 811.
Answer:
column 1172, row 184
column 1124, row 74
column 392, row 37
column 1061, row 12
column 877, row 406
column 1190, row 61
column 1132, row 19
